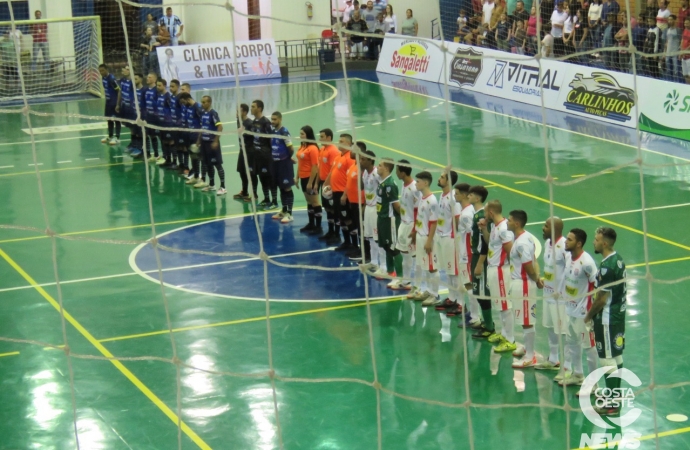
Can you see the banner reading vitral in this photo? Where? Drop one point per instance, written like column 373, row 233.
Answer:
column 214, row 63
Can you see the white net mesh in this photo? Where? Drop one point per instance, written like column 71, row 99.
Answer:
column 74, row 74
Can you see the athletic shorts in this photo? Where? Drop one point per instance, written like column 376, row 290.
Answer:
column 210, row 156
column 126, row 112
column 283, row 173
column 181, row 139
column 499, row 285
column 339, row 210
column 610, row 339
column 522, row 299
column 479, row 287
column 165, row 135
column 427, row 261
column 445, row 247
column 303, row 182
column 110, row 110
column 369, row 225
column 386, row 228
column 404, row 243
column 353, row 216
column 578, row 330
column 554, row 316
column 263, row 163
column 686, row 67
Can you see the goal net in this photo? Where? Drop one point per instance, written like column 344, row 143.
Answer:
column 46, row 58
column 180, row 311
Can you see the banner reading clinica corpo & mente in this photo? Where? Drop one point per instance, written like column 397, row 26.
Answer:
column 214, row 63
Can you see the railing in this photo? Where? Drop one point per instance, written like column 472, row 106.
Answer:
column 300, row 54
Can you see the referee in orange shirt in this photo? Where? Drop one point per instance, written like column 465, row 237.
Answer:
column 337, row 180
column 327, row 156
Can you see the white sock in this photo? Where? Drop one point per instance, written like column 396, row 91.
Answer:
column 419, row 278
column 553, row 346
column 382, row 257
column 529, row 335
column 434, row 280
column 592, row 359
column 475, row 311
column 576, row 352
column 407, row 266
column 453, row 288
column 508, row 322
column 374, row 253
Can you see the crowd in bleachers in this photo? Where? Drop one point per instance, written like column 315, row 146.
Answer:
column 568, row 28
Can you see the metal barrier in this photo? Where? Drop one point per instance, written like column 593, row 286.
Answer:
column 300, row 55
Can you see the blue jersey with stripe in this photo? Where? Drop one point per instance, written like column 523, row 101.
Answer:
column 163, row 111
column 194, row 116
column 210, row 122
column 150, row 99
column 176, row 111
column 183, row 114
column 127, row 92
column 279, row 147
column 110, row 88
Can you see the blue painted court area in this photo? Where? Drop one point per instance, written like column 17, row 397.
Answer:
column 242, row 276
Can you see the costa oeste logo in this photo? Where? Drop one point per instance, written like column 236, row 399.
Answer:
column 600, row 95
column 411, row 58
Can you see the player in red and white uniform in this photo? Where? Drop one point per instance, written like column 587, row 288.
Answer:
column 498, row 273
column 578, row 282
column 448, row 211
column 409, row 197
column 463, row 244
column 424, row 236
column 524, row 281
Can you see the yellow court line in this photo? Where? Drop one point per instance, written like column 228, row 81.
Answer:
column 251, row 319
column 125, row 371
column 2, row 355
column 663, row 261
column 541, row 199
column 642, row 438
column 521, row 182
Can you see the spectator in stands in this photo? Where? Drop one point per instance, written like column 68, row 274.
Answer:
column 369, row 15
column 582, row 29
column 610, row 7
column 639, row 33
column 347, row 12
column 149, row 57
column 380, row 28
column 547, row 46
column 622, row 41
column 569, row 31
column 558, row 18
column 607, row 40
column 487, row 10
column 39, row 33
column 163, row 37
column 650, row 64
column 673, row 35
column 520, row 15
column 152, row 24
column 8, row 56
column 410, row 26
column 594, row 18
column 683, row 13
column 546, row 7
column 662, row 16
column 651, row 9
column 173, row 24
column 496, row 12
column 520, row 38
column 503, row 33
column 685, row 46
column 358, row 25
column 390, row 18
column 380, row 7
column 463, row 24
column 532, row 39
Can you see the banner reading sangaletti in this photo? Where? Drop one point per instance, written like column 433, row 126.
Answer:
column 213, row 63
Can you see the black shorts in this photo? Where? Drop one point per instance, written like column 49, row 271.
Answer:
column 209, row 155
column 283, row 174
column 241, row 166
column 479, row 285
column 341, row 212
column 610, row 339
column 110, row 110
column 263, row 163
column 127, row 112
column 304, row 182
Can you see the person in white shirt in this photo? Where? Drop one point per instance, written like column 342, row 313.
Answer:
column 424, row 236
column 448, row 214
column 558, row 19
column 408, row 210
column 370, row 184
column 347, row 12
column 390, row 18
column 500, row 240
column 524, row 282
column 553, row 315
column 487, row 10
column 173, row 24
column 578, row 282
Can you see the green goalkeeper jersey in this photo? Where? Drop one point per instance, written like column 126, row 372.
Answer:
column 387, row 195
column 476, row 241
column 611, row 270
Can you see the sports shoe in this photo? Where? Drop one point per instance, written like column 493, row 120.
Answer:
column 239, row 195
column 548, row 365
column 380, row 273
column 316, row 231
column 525, row 363
column 607, row 411
column 192, row 181
column 160, row 161
column 579, row 392
column 265, row 203
column 395, row 285
column 344, row 247
column 200, row 184
column 419, row 296
column 208, row 188
column 335, row 239
column 326, row 236
column 430, row 300
column 114, row 141
column 575, row 379
column 287, row 218
column 105, row 139
column 496, row 338
column 520, row 352
column 455, row 310
column 355, row 254
column 221, row 191
column 151, row 159
column 136, row 153
column 307, row 228
column 406, row 285
column 273, row 205
column 482, row 333
column 562, row 375
column 446, row 304
column 505, row 347
column 476, row 324
column 279, row 215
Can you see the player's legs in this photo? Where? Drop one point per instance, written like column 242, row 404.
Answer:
column 481, row 292
column 355, row 230
column 445, row 249
column 522, row 299
column 498, row 278
column 368, row 228
column 551, row 320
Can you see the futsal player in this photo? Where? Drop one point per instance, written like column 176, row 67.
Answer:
column 283, row 171
column 263, row 160
column 498, row 273
column 209, row 145
column 337, row 180
column 607, row 314
column 137, row 136
column 408, row 211
column 164, row 120
column 424, row 236
column 246, row 169
column 112, row 94
column 579, row 278
column 388, row 219
column 125, row 101
column 554, row 308
column 448, row 215
column 327, row 156
column 376, row 256
column 308, row 176
column 177, row 113
column 353, row 200
column 186, row 138
column 463, row 243
column 150, row 100
column 479, row 264
column 524, row 281
column 197, row 174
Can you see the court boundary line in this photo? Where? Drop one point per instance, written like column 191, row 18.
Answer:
column 106, row 353
column 536, row 197
column 526, row 120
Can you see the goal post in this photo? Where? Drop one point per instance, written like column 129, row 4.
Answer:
column 54, row 56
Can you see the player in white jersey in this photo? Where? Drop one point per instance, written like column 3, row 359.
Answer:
column 408, row 212
column 578, row 282
column 370, row 184
column 553, row 317
column 524, row 282
column 448, row 213
column 423, row 238
column 498, row 273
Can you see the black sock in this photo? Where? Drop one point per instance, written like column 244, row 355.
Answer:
column 274, row 194
column 346, row 234
column 111, row 126
column 289, row 200
column 354, row 239
column 118, row 128
column 310, row 213
column 318, row 215
column 221, row 175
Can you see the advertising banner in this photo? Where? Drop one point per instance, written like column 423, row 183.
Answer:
column 214, row 63
column 409, row 57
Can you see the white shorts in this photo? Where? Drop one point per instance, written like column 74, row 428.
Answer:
column 498, row 279
column 370, row 218
column 578, row 330
column 445, row 248
column 464, row 274
column 522, row 297
column 428, row 262
column 554, row 316
column 404, row 243
column 686, row 67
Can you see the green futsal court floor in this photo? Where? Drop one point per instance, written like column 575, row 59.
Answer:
column 96, row 199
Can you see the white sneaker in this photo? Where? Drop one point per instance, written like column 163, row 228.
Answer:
column 395, row 285
column 192, row 181
column 287, row 218
column 160, row 161
column 114, row 141
column 430, row 300
column 279, row 215
column 525, row 363
column 105, row 140
column 413, row 292
column 548, row 365
column 520, row 351
column 562, row 375
column 200, row 184
column 380, row 273
column 221, row 191
column 208, row 188
column 576, row 379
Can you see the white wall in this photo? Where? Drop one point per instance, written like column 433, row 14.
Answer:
column 297, row 11
column 424, row 12
column 211, row 21
column 60, row 35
